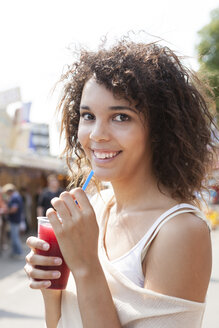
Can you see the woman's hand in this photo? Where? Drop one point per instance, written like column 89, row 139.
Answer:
column 77, row 232
column 33, row 260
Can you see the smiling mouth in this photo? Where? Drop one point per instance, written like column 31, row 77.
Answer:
column 105, row 155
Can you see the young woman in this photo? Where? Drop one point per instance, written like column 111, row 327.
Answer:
column 139, row 253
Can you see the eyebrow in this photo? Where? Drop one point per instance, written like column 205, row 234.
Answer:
column 111, row 108
column 122, row 108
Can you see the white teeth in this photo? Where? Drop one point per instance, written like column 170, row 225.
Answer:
column 104, row 155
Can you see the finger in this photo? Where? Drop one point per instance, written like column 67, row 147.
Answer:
column 36, row 243
column 35, row 259
column 69, row 200
column 54, row 220
column 36, row 273
column 81, row 198
column 67, row 218
column 61, row 207
column 39, row 284
column 36, row 284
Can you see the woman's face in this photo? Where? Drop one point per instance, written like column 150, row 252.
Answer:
column 112, row 134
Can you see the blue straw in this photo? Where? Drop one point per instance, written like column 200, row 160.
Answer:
column 88, row 180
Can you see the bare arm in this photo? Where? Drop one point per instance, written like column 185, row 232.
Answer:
column 52, row 304
column 95, row 301
column 78, row 238
column 12, row 210
column 52, row 298
column 179, row 260
column 39, row 211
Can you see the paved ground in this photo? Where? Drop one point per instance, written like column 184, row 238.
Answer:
column 211, row 317
column 22, row 307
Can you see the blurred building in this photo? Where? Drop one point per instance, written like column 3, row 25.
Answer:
column 39, row 139
column 25, row 158
column 21, row 141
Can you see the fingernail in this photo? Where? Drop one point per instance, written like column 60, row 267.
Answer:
column 58, row 261
column 46, row 283
column 45, row 247
column 56, row 274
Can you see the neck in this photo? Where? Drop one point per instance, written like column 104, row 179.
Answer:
column 137, row 193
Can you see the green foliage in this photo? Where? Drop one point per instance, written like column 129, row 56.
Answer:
column 208, row 52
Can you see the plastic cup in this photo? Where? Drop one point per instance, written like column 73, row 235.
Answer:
column 46, row 233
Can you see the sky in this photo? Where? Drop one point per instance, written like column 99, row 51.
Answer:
column 35, row 37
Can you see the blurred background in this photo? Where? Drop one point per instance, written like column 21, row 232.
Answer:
column 37, row 41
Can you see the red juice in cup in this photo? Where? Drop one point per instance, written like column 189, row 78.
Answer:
column 45, row 232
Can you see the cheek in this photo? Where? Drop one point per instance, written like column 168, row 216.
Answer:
column 139, row 142
column 82, row 138
column 137, row 136
column 82, row 135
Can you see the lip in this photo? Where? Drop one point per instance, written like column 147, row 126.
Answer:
column 104, row 160
column 104, row 150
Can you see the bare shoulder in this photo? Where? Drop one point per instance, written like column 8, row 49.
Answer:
column 179, row 260
column 186, row 228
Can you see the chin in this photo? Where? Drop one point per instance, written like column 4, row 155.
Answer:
column 103, row 175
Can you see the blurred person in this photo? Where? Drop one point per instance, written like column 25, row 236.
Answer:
column 15, row 216
column 3, row 223
column 27, row 201
column 139, row 253
column 52, row 190
column 215, row 195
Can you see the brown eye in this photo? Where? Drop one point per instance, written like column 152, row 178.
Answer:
column 121, row 118
column 87, row 116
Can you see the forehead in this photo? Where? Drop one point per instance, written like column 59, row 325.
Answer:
column 94, row 92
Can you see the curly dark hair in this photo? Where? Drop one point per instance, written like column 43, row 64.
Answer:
column 168, row 94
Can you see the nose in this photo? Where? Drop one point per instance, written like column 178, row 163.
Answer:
column 99, row 131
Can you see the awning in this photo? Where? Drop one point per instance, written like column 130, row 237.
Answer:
column 17, row 159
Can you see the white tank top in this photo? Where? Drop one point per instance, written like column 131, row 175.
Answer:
column 136, row 307
column 130, row 264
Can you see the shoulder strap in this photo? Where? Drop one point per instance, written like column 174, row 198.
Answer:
column 162, row 220
column 165, row 215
